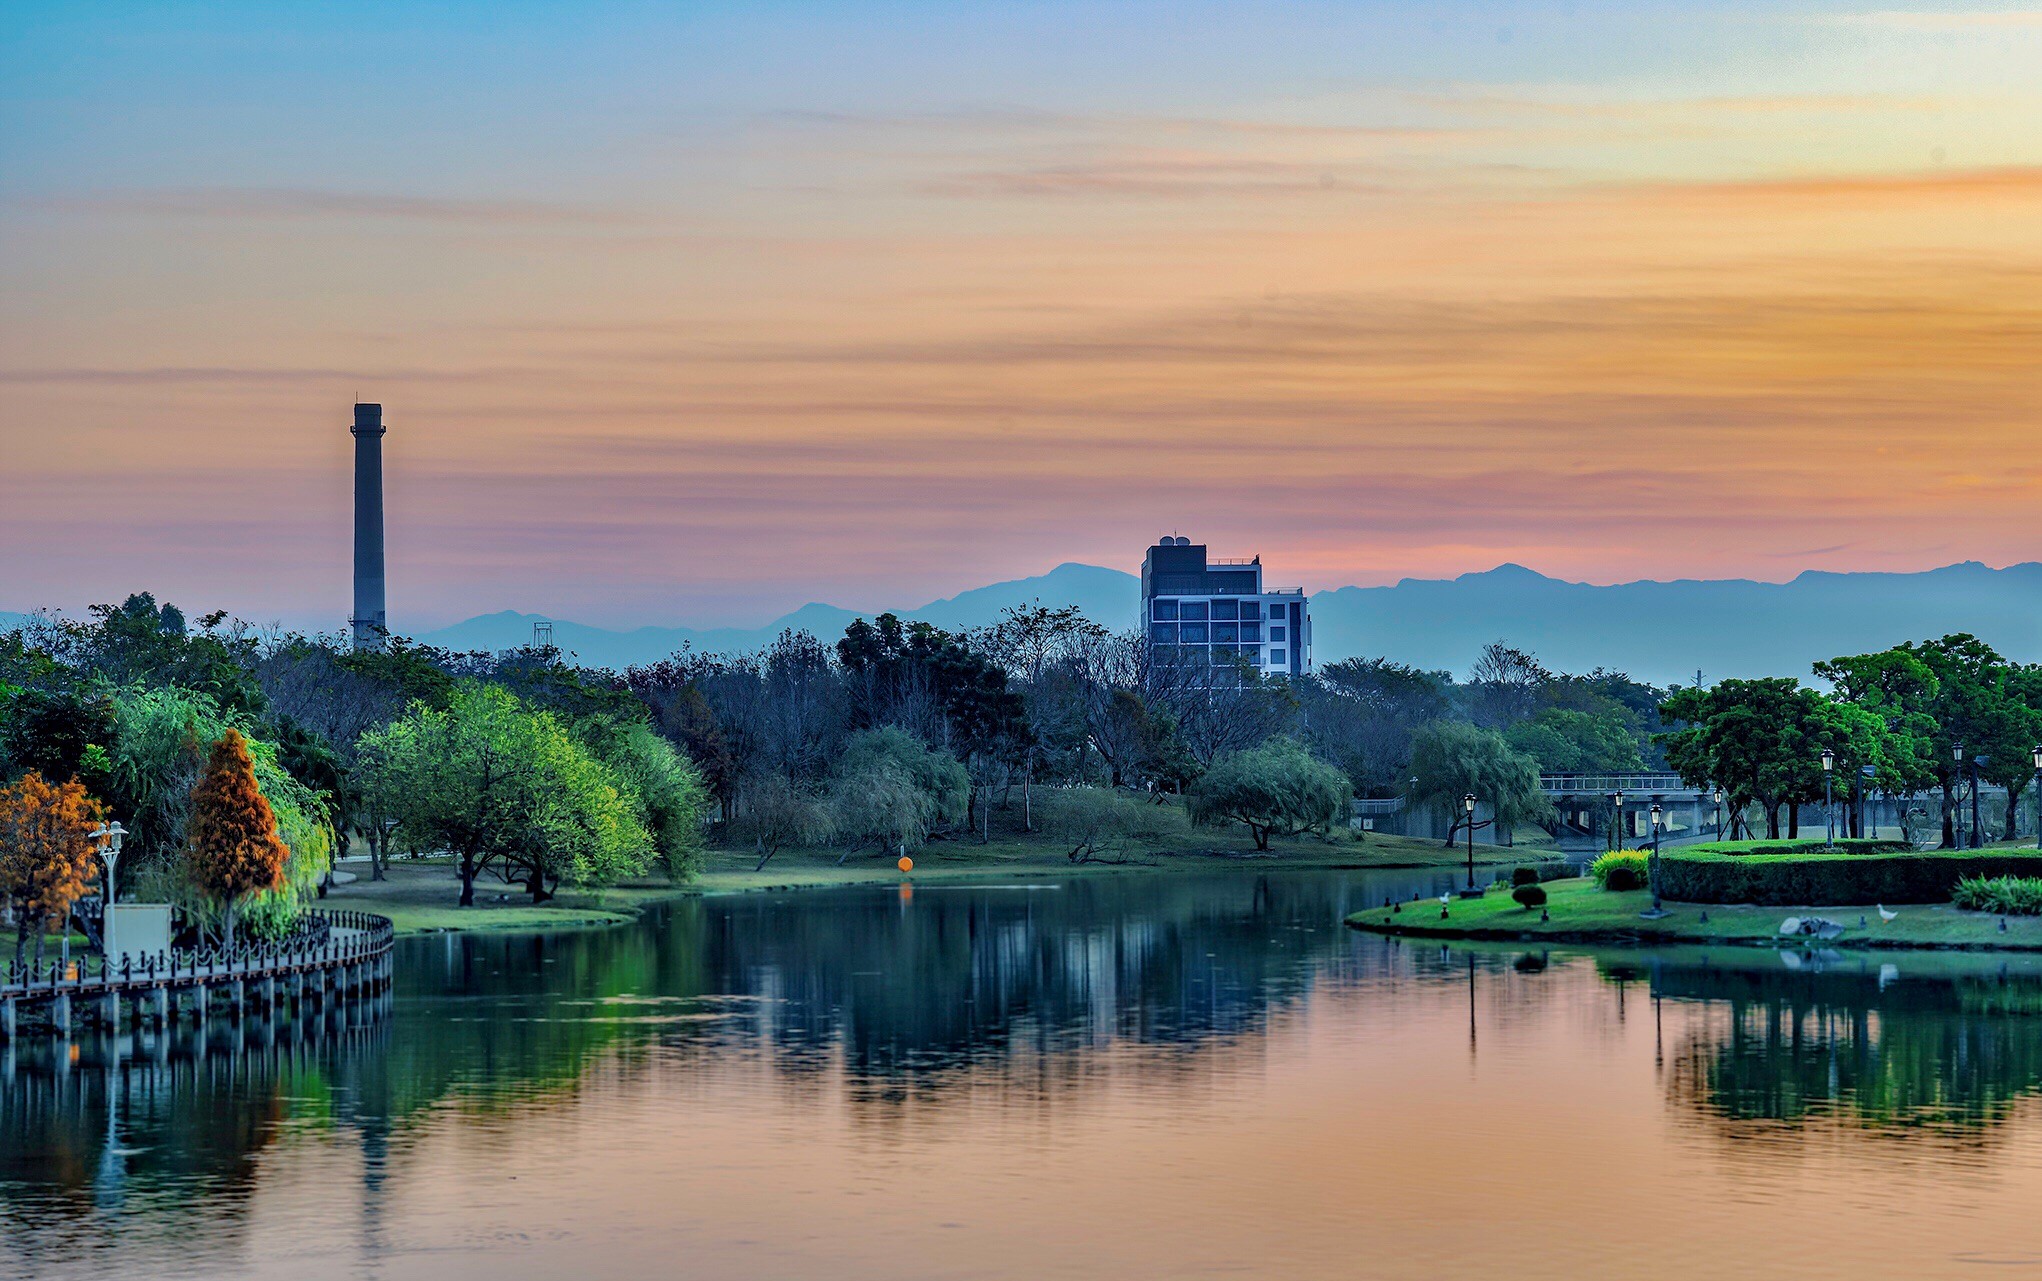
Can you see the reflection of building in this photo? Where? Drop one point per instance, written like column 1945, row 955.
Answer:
column 1218, row 612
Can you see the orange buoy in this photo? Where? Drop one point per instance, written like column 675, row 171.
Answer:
column 906, row 864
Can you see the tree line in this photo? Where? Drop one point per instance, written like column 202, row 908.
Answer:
column 533, row 771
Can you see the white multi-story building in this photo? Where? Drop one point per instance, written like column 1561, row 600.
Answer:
column 1218, row 613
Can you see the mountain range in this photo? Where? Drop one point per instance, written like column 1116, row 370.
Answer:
column 1663, row 632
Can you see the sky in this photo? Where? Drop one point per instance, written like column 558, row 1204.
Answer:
column 689, row 314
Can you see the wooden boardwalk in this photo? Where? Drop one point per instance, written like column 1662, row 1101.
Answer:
column 331, row 956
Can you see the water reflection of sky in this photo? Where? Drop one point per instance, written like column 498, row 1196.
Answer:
column 1124, row 1076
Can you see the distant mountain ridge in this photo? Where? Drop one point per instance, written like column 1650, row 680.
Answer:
column 1657, row 631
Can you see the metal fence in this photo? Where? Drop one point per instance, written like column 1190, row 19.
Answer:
column 325, row 939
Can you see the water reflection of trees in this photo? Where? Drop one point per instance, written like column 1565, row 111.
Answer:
column 903, row 996
column 1950, row 1052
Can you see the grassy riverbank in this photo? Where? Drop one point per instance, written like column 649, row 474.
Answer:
column 420, row 895
column 1581, row 913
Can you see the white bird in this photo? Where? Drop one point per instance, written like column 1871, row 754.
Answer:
column 1885, row 915
column 1445, row 899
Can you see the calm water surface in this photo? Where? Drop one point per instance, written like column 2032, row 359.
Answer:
column 1111, row 1077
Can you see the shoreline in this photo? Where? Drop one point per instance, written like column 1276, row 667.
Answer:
column 1582, row 915
column 418, row 896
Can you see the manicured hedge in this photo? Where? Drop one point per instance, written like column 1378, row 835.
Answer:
column 1698, row 875
column 1803, row 846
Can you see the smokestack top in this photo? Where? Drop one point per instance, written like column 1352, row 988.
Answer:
column 368, row 420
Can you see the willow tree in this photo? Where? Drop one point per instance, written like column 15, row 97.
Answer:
column 1277, row 788
column 233, row 847
column 1452, row 759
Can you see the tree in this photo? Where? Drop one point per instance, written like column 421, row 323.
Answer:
column 56, row 732
column 667, row 789
column 779, row 813
column 47, row 859
column 233, row 843
column 1451, row 759
column 1976, row 705
column 1503, row 685
column 1896, row 686
column 1092, row 821
column 1034, row 643
column 1563, row 740
column 1761, row 741
column 1277, row 788
column 503, row 784
column 1362, row 714
column 891, row 791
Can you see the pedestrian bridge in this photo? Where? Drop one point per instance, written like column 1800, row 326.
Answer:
column 1645, row 784
column 331, row 955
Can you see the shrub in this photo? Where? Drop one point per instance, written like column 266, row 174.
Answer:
column 2005, row 895
column 1815, row 845
column 1623, row 870
column 1524, row 876
column 1806, row 879
column 1530, row 895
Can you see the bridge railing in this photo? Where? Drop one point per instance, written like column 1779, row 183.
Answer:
column 325, row 938
column 1644, row 784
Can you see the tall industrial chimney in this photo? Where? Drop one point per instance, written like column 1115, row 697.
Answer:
column 369, row 623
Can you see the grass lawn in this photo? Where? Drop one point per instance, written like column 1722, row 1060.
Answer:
column 420, row 895
column 1581, row 913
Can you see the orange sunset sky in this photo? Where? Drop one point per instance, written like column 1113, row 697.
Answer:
column 689, row 314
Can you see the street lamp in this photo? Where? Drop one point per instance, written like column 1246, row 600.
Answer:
column 1616, row 830
column 1718, row 796
column 1652, row 868
column 107, row 838
column 1829, row 794
column 2036, row 752
column 1957, row 756
column 1468, row 804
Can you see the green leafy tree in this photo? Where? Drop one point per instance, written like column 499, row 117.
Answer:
column 1900, row 689
column 1761, row 741
column 1977, row 705
column 1278, row 788
column 1452, row 759
column 506, row 786
column 1563, row 740
column 671, row 796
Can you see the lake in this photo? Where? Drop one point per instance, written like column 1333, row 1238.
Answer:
column 1108, row 1076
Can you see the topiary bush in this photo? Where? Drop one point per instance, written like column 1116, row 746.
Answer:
column 2005, row 895
column 1814, row 845
column 1620, row 870
column 1816, row 879
column 1530, row 896
column 1524, row 876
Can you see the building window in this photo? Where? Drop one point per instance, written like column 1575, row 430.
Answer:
column 1251, row 632
column 1227, row 609
column 1276, row 635
column 1276, row 658
column 1226, row 633
column 1163, row 633
column 1193, row 609
column 1251, row 610
column 1193, row 633
column 1166, row 609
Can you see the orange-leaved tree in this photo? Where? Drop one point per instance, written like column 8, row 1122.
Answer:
column 231, row 838
column 47, row 855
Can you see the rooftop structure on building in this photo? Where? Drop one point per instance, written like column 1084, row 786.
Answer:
column 1202, row 612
